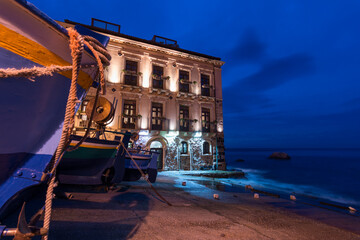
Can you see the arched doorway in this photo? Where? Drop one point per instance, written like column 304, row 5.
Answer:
column 157, row 146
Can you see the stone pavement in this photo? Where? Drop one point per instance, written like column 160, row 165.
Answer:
column 133, row 211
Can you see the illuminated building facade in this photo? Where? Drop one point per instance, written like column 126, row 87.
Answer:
column 170, row 96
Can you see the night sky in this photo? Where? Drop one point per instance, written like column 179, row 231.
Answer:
column 291, row 77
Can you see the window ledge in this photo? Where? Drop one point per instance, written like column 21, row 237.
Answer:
column 131, row 88
column 159, row 91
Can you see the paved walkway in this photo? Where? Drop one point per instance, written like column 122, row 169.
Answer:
column 134, row 212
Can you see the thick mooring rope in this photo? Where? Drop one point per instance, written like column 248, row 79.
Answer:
column 101, row 67
column 33, row 72
column 77, row 46
column 144, row 176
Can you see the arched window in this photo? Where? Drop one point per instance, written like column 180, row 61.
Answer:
column 206, row 148
column 184, row 148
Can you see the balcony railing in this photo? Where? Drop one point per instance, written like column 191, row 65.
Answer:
column 187, row 125
column 158, row 83
column 209, row 127
column 105, row 25
column 129, row 121
column 184, row 87
column 131, row 77
column 205, row 92
column 131, row 80
column 159, row 123
column 184, row 125
column 165, row 41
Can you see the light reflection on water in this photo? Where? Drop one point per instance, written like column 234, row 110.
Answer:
column 328, row 174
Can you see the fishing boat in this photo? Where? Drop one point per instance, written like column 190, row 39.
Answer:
column 32, row 107
column 95, row 162
column 143, row 159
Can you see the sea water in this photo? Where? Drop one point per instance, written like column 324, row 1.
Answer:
column 332, row 174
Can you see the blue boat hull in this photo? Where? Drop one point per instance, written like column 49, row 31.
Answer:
column 31, row 117
column 32, row 111
column 95, row 162
column 145, row 160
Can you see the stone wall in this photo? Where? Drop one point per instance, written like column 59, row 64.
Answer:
column 171, row 156
column 173, row 160
column 200, row 161
column 184, row 162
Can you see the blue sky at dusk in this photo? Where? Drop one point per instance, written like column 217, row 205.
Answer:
column 291, row 77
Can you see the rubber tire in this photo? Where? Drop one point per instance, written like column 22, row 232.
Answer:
column 152, row 174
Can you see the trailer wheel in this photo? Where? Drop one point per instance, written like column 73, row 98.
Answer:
column 152, row 174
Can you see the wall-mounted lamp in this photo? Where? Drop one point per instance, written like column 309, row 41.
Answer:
column 119, row 53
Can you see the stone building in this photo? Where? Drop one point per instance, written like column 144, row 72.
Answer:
column 170, row 96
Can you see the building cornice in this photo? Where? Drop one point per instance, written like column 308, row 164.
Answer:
column 162, row 50
column 153, row 46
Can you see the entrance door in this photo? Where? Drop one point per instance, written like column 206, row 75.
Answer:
column 158, row 147
column 160, row 158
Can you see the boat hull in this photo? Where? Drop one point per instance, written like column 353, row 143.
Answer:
column 32, row 110
column 145, row 160
column 95, row 162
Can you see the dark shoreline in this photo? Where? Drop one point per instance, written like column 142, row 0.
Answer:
column 303, row 198
column 286, row 149
column 216, row 173
column 315, row 208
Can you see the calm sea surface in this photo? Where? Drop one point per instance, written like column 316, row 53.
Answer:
column 332, row 174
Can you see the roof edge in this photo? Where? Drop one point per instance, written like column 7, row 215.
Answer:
column 143, row 40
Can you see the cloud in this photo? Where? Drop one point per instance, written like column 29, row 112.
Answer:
column 248, row 93
column 248, row 49
column 279, row 71
column 238, row 102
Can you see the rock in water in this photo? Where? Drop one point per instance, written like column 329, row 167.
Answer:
column 279, row 155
